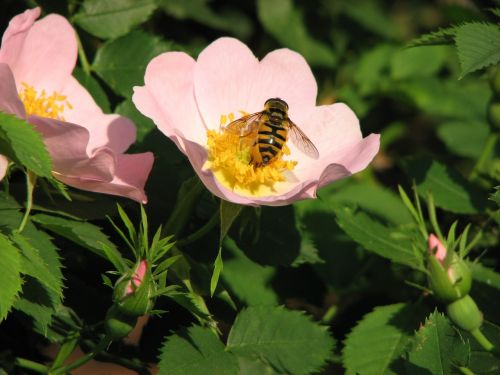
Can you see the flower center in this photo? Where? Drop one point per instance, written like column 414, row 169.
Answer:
column 42, row 105
column 230, row 159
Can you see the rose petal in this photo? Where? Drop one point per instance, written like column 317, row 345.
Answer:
column 9, row 98
column 131, row 172
column 168, row 97
column 112, row 131
column 224, row 74
column 437, row 248
column 4, row 164
column 44, row 55
column 14, row 35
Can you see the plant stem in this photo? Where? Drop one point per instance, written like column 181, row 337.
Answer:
column 202, row 231
column 466, row 371
column 30, row 185
column 31, row 365
column 82, row 56
column 482, row 340
column 488, row 148
column 102, row 345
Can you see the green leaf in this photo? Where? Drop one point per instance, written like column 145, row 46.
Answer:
column 93, row 87
column 33, row 264
column 198, row 351
column 287, row 340
column 372, row 68
column 387, row 242
column 249, row 281
column 10, row 278
column 463, row 101
column 418, row 62
column 373, row 16
column 449, row 188
column 37, row 303
column 20, row 142
column 478, row 46
column 495, row 196
column 285, row 22
column 437, row 348
column 121, row 63
column 254, row 366
column 113, row 18
column 481, row 361
column 236, row 23
column 485, row 275
column 379, row 339
column 372, row 198
column 228, row 214
column 442, row 36
column 464, row 138
column 143, row 124
column 82, row 233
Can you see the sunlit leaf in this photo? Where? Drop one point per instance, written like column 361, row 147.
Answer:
column 20, row 142
column 379, row 339
column 113, row 18
column 121, row 62
column 287, row 340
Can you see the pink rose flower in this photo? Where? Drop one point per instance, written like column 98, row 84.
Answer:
column 192, row 100
column 87, row 146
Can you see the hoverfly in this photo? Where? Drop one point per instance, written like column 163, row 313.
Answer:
column 270, row 129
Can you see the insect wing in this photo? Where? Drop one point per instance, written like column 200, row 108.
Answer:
column 300, row 140
column 244, row 125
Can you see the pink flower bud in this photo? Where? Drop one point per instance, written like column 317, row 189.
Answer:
column 437, row 248
column 137, row 278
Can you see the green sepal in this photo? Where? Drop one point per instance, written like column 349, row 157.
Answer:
column 465, row 313
column 118, row 324
column 141, row 300
column 447, row 289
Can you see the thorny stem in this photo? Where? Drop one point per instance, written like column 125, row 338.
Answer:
column 30, row 185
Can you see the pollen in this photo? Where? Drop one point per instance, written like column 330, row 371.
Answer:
column 41, row 104
column 229, row 158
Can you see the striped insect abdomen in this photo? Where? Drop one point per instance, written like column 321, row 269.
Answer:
column 270, row 138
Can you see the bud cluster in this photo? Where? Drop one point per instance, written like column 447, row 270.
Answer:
column 450, row 280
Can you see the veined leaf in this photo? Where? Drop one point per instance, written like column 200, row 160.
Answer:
column 20, row 142
column 83, row 233
column 287, row 340
column 378, row 339
column 374, row 236
column 478, row 46
column 121, row 62
column 198, row 351
column 10, row 278
column 248, row 280
column 438, row 348
column 449, row 188
column 113, row 18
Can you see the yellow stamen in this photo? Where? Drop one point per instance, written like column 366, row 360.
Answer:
column 42, row 105
column 229, row 158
